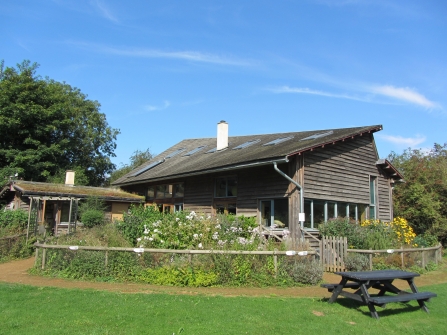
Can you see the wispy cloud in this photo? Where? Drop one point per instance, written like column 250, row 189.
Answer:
column 404, row 94
column 103, row 10
column 193, row 56
column 404, row 142
column 301, row 90
column 151, row 108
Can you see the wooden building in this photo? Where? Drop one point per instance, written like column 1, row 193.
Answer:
column 54, row 207
column 288, row 180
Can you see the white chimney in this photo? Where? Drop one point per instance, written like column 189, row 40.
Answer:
column 222, row 135
column 69, row 178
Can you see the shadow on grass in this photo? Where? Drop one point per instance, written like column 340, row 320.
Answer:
column 391, row 309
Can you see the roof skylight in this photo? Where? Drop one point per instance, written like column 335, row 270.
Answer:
column 175, row 153
column 279, row 140
column 246, row 144
column 144, row 169
column 193, row 151
column 211, row 150
column 315, row 136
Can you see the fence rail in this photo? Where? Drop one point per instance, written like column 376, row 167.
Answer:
column 189, row 252
column 402, row 251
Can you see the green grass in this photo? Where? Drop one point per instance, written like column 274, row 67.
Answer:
column 44, row 310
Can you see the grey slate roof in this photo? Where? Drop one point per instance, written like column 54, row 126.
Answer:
column 202, row 162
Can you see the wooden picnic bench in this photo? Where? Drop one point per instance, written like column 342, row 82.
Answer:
column 381, row 280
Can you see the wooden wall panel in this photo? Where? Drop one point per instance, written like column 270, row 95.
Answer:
column 340, row 172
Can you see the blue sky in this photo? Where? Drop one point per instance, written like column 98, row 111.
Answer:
column 168, row 70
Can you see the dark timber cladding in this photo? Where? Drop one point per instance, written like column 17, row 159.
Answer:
column 341, row 172
column 338, row 166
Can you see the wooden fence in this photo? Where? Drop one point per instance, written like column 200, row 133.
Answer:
column 275, row 253
column 401, row 252
column 333, row 253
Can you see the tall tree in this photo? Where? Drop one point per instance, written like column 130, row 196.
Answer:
column 47, row 127
column 422, row 199
column 138, row 158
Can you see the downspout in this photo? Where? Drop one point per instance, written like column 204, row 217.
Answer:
column 297, row 185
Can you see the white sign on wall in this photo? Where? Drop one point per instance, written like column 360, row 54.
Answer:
column 301, row 217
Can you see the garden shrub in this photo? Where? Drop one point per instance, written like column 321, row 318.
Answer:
column 356, row 262
column 345, row 228
column 425, row 240
column 91, row 211
column 13, row 221
column 92, row 217
column 179, row 276
column 307, row 272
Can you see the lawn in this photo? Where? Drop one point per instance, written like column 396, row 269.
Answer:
column 45, row 310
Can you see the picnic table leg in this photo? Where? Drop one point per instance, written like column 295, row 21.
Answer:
column 337, row 290
column 414, row 289
column 365, row 297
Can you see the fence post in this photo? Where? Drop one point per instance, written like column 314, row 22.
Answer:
column 402, row 257
column 106, row 261
column 423, row 256
column 36, row 256
column 370, row 260
column 44, row 252
column 275, row 262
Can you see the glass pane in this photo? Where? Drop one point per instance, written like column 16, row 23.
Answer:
column 166, row 208
column 342, row 208
column 352, row 208
column 179, row 190
column 308, row 214
column 372, row 190
column 231, row 209
column 372, row 212
column 266, row 213
column 221, row 187
column 281, row 213
column 178, row 207
column 318, row 213
column 331, row 210
column 231, row 187
column 169, row 191
column 150, row 192
column 361, row 212
column 220, row 209
column 160, row 194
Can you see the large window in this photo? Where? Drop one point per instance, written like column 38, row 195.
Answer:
column 372, row 197
column 226, row 187
column 275, row 213
column 165, row 191
column 225, row 207
column 319, row 211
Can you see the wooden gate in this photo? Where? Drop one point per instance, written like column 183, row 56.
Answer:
column 333, row 253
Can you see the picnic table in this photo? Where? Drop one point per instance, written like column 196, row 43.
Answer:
column 360, row 282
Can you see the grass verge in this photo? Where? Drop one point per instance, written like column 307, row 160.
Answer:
column 45, row 310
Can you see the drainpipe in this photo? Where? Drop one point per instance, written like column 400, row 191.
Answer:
column 297, row 185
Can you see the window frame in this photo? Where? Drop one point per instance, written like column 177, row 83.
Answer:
column 226, row 179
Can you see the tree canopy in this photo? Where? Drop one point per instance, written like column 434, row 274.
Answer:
column 138, row 158
column 422, row 199
column 47, row 127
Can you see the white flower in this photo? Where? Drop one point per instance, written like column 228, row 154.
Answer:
column 200, row 246
column 195, row 235
column 177, row 219
column 161, row 241
column 139, row 239
column 218, row 226
column 151, row 239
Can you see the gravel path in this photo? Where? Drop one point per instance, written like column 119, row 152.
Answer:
column 17, row 272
